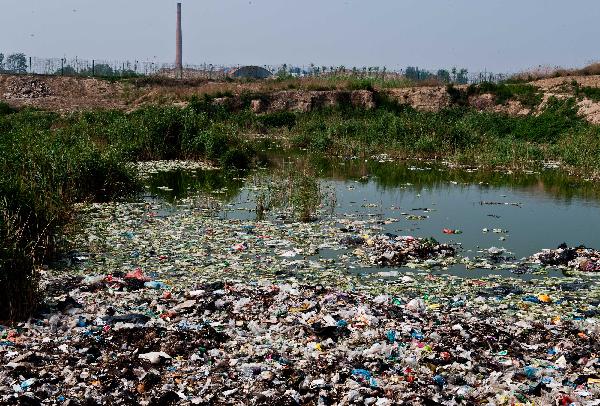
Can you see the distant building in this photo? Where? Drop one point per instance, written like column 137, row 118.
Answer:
column 251, row 72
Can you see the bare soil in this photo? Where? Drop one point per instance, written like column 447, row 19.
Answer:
column 66, row 94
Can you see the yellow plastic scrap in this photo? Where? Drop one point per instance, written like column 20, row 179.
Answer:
column 434, row 306
column 503, row 399
column 358, row 252
column 594, row 381
column 303, row 308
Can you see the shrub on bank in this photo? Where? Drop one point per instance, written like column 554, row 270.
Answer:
column 45, row 170
column 50, row 162
column 488, row 138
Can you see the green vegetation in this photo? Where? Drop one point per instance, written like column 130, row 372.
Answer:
column 459, row 76
column 14, row 63
column 45, row 169
column 100, row 71
column 295, row 189
column 529, row 96
column 5, row 109
column 592, row 93
column 459, row 133
column 305, row 195
column 49, row 162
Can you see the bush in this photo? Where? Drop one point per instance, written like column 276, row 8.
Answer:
column 557, row 119
column 26, row 228
column 361, row 84
column 5, row 109
column 45, row 170
column 278, row 119
column 528, row 95
column 581, row 148
column 592, row 93
column 237, row 158
column 458, row 97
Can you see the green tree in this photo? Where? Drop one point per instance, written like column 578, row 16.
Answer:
column 462, row 77
column 100, row 69
column 443, row 75
column 414, row 73
column 66, row 71
column 16, row 63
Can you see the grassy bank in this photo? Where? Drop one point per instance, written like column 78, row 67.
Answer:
column 457, row 133
column 50, row 162
column 45, row 169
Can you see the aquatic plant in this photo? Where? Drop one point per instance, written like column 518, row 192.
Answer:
column 294, row 189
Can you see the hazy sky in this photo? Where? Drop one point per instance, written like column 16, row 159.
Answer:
column 497, row 35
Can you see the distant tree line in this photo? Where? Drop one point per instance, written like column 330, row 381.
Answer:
column 17, row 63
column 454, row 75
column 99, row 69
column 13, row 63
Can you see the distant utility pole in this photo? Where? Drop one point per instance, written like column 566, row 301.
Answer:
column 178, row 44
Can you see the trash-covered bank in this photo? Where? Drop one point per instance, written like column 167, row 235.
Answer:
column 122, row 339
column 189, row 303
column 181, row 307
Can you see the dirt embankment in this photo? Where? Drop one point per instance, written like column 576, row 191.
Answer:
column 60, row 93
column 562, row 87
column 64, row 94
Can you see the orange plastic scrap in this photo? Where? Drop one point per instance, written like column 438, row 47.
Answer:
column 544, row 298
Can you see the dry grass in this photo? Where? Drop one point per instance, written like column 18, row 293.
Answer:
column 549, row 72
column 170, row 90
column 73, row 93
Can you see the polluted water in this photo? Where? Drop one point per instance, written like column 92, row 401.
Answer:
column 321, row 281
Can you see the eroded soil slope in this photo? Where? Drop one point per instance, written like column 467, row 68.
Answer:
column 64, row 94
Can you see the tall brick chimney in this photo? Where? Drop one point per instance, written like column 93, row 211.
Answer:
column 178, row 42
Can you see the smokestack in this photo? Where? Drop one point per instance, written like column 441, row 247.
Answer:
column 178, row 43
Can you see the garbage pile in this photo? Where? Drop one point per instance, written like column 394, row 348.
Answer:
column 131, row 339
column 27, row 88
column 579, row 258
column 392, row 250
